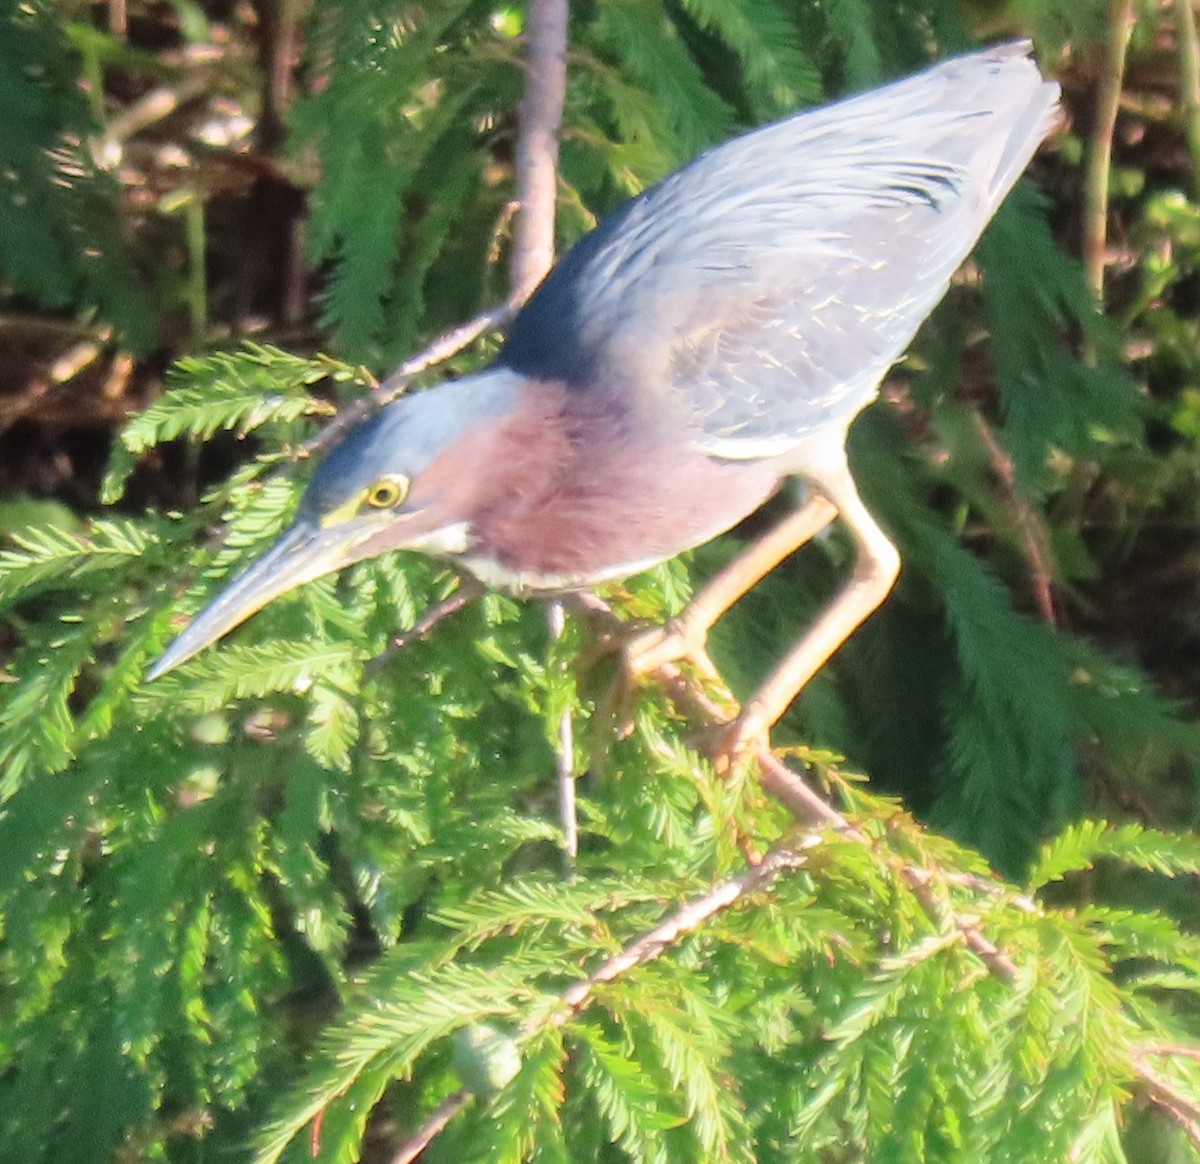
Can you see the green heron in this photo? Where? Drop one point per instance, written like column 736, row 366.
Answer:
column 713, row 337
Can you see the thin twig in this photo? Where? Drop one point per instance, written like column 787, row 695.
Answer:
column 35, row 327
column 645, row 949
column 564, row 755
column 448, row 344
column 1170, row 1050
column 1033, row 534
column 281, row 52
column 147, row 110
column 999, row 963
column 468, row 590
column 683, row 921
column 1162, row 1094
column 794, row 794
column 790, row 790
column 432, row 1128
column 1099, row 167
column 787, row 787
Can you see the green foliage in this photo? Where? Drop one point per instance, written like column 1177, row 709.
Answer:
column 240, row 391
column 1080, row 846
column 287, row 901
column 46, row 554
column 60, row 243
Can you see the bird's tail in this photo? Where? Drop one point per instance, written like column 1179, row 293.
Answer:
column 1005, row 83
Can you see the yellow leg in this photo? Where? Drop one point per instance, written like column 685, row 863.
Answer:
column 686, row 637
column 875, row 572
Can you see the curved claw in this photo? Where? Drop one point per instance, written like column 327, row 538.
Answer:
column 746, row 735
column 655, row 651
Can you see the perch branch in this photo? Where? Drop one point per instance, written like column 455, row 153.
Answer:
column 1183, row 1112
column 689, row 917
column 644, row 949
column 791, row 791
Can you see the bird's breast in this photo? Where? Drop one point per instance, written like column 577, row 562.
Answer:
column 578, row 491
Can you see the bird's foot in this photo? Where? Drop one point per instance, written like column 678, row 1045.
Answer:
column 659, row 653
column 677, row 641
column 738, row 739
column 653, row 654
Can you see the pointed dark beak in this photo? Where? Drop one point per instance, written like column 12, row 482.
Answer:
column 304, row 552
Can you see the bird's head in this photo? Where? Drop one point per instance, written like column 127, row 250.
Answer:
column 393, row 482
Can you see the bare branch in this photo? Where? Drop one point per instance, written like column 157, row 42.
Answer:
column 1099, row 166
column 645, row 949
column 467, row 591
column 532, row 255
column 431, row 1128
column 650, row 945
column 537, row 145
column 1167, row 1098
column 448, row 344
column 1025, row 517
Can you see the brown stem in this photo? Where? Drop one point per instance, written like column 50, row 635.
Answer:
column 532, row 256
column 651, row 944
column 468, row 590
column 533, row 236
column 1099, row 167
column 280, row 24
column 448, row 344
column 431, row 1128
column 151, row 108
column 537, row 144
column 1169, row 1050
column 1189, row 81
column 1184, row 1113
column 790, row 790
column 645, row 949
column 564, row 755
column 1033, row 536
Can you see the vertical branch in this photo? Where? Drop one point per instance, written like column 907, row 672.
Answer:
column 1095, row 206
column 564, row 754
column 1189, row 79
column 532, row 256
column 280, row 31
column 537, row 144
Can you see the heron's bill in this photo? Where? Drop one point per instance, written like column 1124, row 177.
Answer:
column 304, row 552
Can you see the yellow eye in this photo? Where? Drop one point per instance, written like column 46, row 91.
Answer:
column 387, row 492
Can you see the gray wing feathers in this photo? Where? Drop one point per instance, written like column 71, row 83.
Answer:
column 767, row 287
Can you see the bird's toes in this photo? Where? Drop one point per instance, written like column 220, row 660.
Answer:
column 677, row 641
column 745, row 735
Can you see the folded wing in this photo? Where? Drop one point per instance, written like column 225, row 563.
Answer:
column 762, row 291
